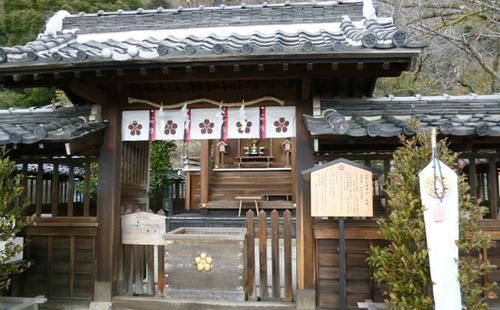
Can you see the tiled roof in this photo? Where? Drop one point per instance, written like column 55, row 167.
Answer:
column 48, row 124
column 281, row 29
column 470, row 115
column 222, row 16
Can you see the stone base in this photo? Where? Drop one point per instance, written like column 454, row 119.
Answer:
column 306, row 299
column 156, row 303
column 103, row 291
column 95, row 305
column 235, row 295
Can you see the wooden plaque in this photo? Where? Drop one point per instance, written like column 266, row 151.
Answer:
column 143, row 228
column 341, row 189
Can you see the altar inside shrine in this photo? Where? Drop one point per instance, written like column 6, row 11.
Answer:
column 224, row 171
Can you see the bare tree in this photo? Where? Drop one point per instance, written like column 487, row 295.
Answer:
column 464, row 37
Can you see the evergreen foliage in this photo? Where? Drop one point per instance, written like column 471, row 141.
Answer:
column 22, row 20
column 403, row 264
column 11, row 219
column 161, row 164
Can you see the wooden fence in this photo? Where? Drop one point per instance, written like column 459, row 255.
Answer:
column 276, row 234
column 52, row 186
column 143, row 266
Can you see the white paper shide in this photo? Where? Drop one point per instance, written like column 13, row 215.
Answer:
column 439, row 192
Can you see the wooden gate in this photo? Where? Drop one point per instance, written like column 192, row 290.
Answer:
column 279, row 288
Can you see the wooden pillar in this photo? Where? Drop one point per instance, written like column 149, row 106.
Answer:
column 205, row 170
column 303, row 158
column 493, row 187
column 473, row 176
column 108, row 202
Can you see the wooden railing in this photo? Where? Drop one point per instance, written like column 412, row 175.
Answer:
column 276, row 234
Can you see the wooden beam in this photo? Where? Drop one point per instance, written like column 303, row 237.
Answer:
column 81, row 145
column 306, row 89
column 89, row 92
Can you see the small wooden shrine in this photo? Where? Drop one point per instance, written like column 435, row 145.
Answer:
column 264, row 91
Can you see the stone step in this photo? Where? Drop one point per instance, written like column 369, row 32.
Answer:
column 158, row 303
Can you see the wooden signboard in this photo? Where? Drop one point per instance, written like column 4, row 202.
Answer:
column 143, row 228
column 341, row 188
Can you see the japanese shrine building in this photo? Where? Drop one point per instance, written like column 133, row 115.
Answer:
column 308, row 69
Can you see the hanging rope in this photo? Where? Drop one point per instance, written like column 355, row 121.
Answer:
column 206, row 100
column 438, row 173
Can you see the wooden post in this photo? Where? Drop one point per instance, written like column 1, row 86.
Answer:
column 303, row 158
column 342, row 266
column 39, row 189
column 161, row 269
column 71, row 188
column 86, row 194
column 263, row 254
column 473, row 176
column 250, row 285
column 138, row 269
column 205, row 170
column 24, row 183
column 108, row 204
column 275, row 246
column 54, row 197
column 493, row 187
column 287, row 235
column 72, row 252
column 150, row 268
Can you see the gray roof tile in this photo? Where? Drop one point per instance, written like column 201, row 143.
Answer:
column 27, row 126
column 453, row 115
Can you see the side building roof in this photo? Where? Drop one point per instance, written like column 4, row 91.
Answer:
column 470, row 115
column 49, row 124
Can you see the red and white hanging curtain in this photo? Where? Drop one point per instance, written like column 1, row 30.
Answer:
column 202, row 124
column 206, row 124
column 279, row 122
column 135, row 125
column 243, row 123
column 169, row 125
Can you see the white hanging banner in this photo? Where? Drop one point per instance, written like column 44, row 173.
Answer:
column 439, row 193
column 135, row 125
column 279, row 122
column 243, row 123
column 169, row 125
column 206, row 124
